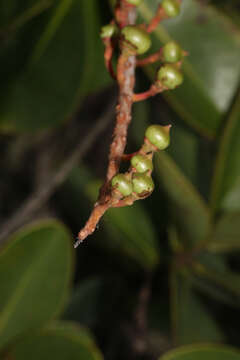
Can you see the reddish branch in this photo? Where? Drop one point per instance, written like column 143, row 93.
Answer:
column 151, row 59
column 125, row 15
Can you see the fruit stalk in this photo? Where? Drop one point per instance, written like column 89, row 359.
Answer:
column 125, row 15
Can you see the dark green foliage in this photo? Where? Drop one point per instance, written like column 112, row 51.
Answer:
column 181, row 244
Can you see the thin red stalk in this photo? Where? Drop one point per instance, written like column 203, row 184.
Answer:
column 160, row 15
column 150, row 59
column 146, row 94
column 108, row 54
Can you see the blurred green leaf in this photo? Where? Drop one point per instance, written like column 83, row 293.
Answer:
column 61, row 341
column 65, row 64
column 221, row 283
column 225, row 192
column 212, row 69
column 35, row 276
column 84, row 305
column 226, row 236
column 131, row 231
column 184, row 151
column 188, row 210
column 141, row 112
column 202, row 352
column 186, row 309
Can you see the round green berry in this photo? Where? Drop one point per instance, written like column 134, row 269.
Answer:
column 170, row 76
column 134, row 2
column 171, row 7
column 108, row 31
column 158, row 135
column 172, row 52
column 137, row 37
column 142, row 183
column 141, row 163
column 122, row 184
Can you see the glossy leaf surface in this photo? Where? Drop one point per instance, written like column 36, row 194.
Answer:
column 203, row 352
column 35, row 275
column 226, row 236
column 64, row 63
column 186, row 310
column 225, row 194
column 188, row 210
column 212, row 68
column 61, row 341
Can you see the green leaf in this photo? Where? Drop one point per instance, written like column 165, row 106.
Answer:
column 188, row 210
column 35, row 276
column 202, row 352
column 65, row 64
column 212, row 68
column 226, row 236
column 61, row 341
column 186, row 307
column 131, row 231
column 219, row 282
column 85, row 303
column 184, row 151
column 225, row 194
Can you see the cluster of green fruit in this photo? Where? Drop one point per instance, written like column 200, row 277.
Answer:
column 139, row 181
column 139, row 41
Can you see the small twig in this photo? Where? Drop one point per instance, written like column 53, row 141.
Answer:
column 108, row 54
column 38, row 198
column 151, row 59
column 160, row 15
column 146, row 94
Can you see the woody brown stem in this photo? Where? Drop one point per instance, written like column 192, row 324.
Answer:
column 125, row 15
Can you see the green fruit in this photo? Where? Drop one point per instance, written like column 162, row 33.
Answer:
column 172, row 52
column 134, row 2
column 122, row 184
column 142, row 183
column 137, row 37
column 108, row 31
column 171, row 7
column 141, row 163
column 170, row 76
column 158, row 135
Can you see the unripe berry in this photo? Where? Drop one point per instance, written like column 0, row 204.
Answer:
column 170, row 76
column 137, row 37
column 134, row 2
column 122, row 184
column 172, row 52
column 142, row 183
column 141, row 163
column 171, row 7
column 158, row 135
column 108, row 31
